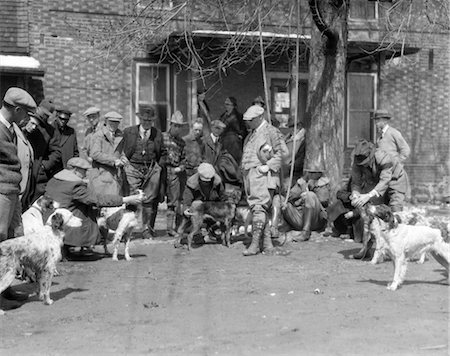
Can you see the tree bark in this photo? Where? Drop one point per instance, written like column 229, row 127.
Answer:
column 326, row 98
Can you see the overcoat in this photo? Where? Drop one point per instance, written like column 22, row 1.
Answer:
column 68, row 143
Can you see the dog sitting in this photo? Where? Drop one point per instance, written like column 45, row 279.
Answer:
column 39, row 251
column 218, row 215
column 401, row 241
column 34, row 217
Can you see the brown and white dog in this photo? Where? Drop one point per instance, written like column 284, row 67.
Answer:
column 33, row 217
column 401, row 242
column 39, row 251
column 219, row 215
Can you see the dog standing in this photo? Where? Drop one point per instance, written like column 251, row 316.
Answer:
column 39, row 251
column 401, row 242
column 219, row 213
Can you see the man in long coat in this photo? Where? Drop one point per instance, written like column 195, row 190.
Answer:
column 68, row 137
column 264, row 151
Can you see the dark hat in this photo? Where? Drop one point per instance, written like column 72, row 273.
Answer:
column 47, row 107
column 150, row 109
column 19, row 97
column 78, row 162
column 381, row 114
column 259, row 100
column 113, row 116
column 64, row 113
column 364, row 151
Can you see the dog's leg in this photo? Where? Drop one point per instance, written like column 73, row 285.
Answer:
column 7, row 277
column 127, row 244
column 45, row 284
column 104, row 233
column 399, row 262
column 441, row 253
column 377, row 257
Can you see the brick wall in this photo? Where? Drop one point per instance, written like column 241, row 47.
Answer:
column 416, row 90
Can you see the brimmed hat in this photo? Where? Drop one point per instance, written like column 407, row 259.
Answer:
column 260, row 100
column 253, row 111
column 19, row 97
column 91, row 110
column 64, row 113
column 218, row 123
column 177, row 118
column 113, row 116
column 77, row 162
column 206, row 171
column 47, row 106
column 381, row 114
column 364, row 151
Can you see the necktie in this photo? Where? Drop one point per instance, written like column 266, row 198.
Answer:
column 144, row 142
column 13, row 134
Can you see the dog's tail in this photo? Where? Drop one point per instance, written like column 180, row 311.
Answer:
column 441, row 253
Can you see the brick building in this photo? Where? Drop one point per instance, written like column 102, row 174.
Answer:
column 45, row 47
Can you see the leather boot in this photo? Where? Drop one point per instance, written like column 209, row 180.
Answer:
column 170, row 223
column 367, row 245
column 253, row 249
column 267, row 240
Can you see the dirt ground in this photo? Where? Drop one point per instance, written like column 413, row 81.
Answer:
column 213, row 301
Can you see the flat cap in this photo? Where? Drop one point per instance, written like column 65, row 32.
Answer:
column 206, row 171
column 91, row 110
column 18, row 97
column 63, row 113
column 381, row 114
column 177, row 118
column 113, row 116
column 78, row 162
column 252, row 112
column 218, row 123
column 364, row 150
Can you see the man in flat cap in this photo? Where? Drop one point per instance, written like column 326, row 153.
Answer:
column 264, row 150
column 212, row 143
column 45, row 141
column 141, row 151
column 17, row 105
column 377, row 177
column 205, row 185
column 173, row 165
column 92, row 116
column 68, row 137
column 69, row 187
column 106, row 176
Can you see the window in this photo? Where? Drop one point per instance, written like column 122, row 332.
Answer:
column 360, row 104
column 153, row 88
column 281, row 97
column 363, row 10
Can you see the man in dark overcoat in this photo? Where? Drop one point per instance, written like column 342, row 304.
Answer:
column 68, row 138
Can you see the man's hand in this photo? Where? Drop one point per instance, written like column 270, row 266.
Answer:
column 134, row 199
column 359, row 201
column 263, row 169
column 177, row 170
column 118, row 163
column 349, row 215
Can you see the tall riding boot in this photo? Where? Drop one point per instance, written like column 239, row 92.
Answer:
column 267, row 239
column 367, row 245
column 253, row 249
column 149, row 216
column 306, row 231
column 170, row 222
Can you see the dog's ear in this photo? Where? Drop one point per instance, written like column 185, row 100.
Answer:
column 57, row 221
column 398, row 218
column 391, row 220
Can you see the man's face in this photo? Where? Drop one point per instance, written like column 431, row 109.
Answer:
column 229, row 106
column 197, row 129
column 20, row 114
column 217, row 131
column 146, row 119
column 112, row 125
column 380, row 124
column 62, row 118
column 253, row 123
column 32, row 124
column 92, row 119
column 175, row 129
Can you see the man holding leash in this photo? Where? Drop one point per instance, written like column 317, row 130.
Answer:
column 264, row 150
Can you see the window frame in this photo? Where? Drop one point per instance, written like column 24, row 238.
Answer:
column 347, row 116
column 360, row 19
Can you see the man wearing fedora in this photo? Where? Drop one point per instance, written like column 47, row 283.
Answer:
column 106, row 176
column 377, row 177
column 68, row 138
column 142, row 151
column 390, row 139
column 45, row 142
column 264, row 150
column 174, row 166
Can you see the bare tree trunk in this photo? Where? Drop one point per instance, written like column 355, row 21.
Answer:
column 326, row 99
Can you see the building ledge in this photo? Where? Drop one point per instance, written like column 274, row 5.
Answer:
column 20, row 65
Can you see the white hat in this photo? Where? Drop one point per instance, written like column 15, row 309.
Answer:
column 252, row 112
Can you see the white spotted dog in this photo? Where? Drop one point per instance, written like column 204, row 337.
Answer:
column 39, row 252
column 123, row 220
column 401, row 241
column 33, row 217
